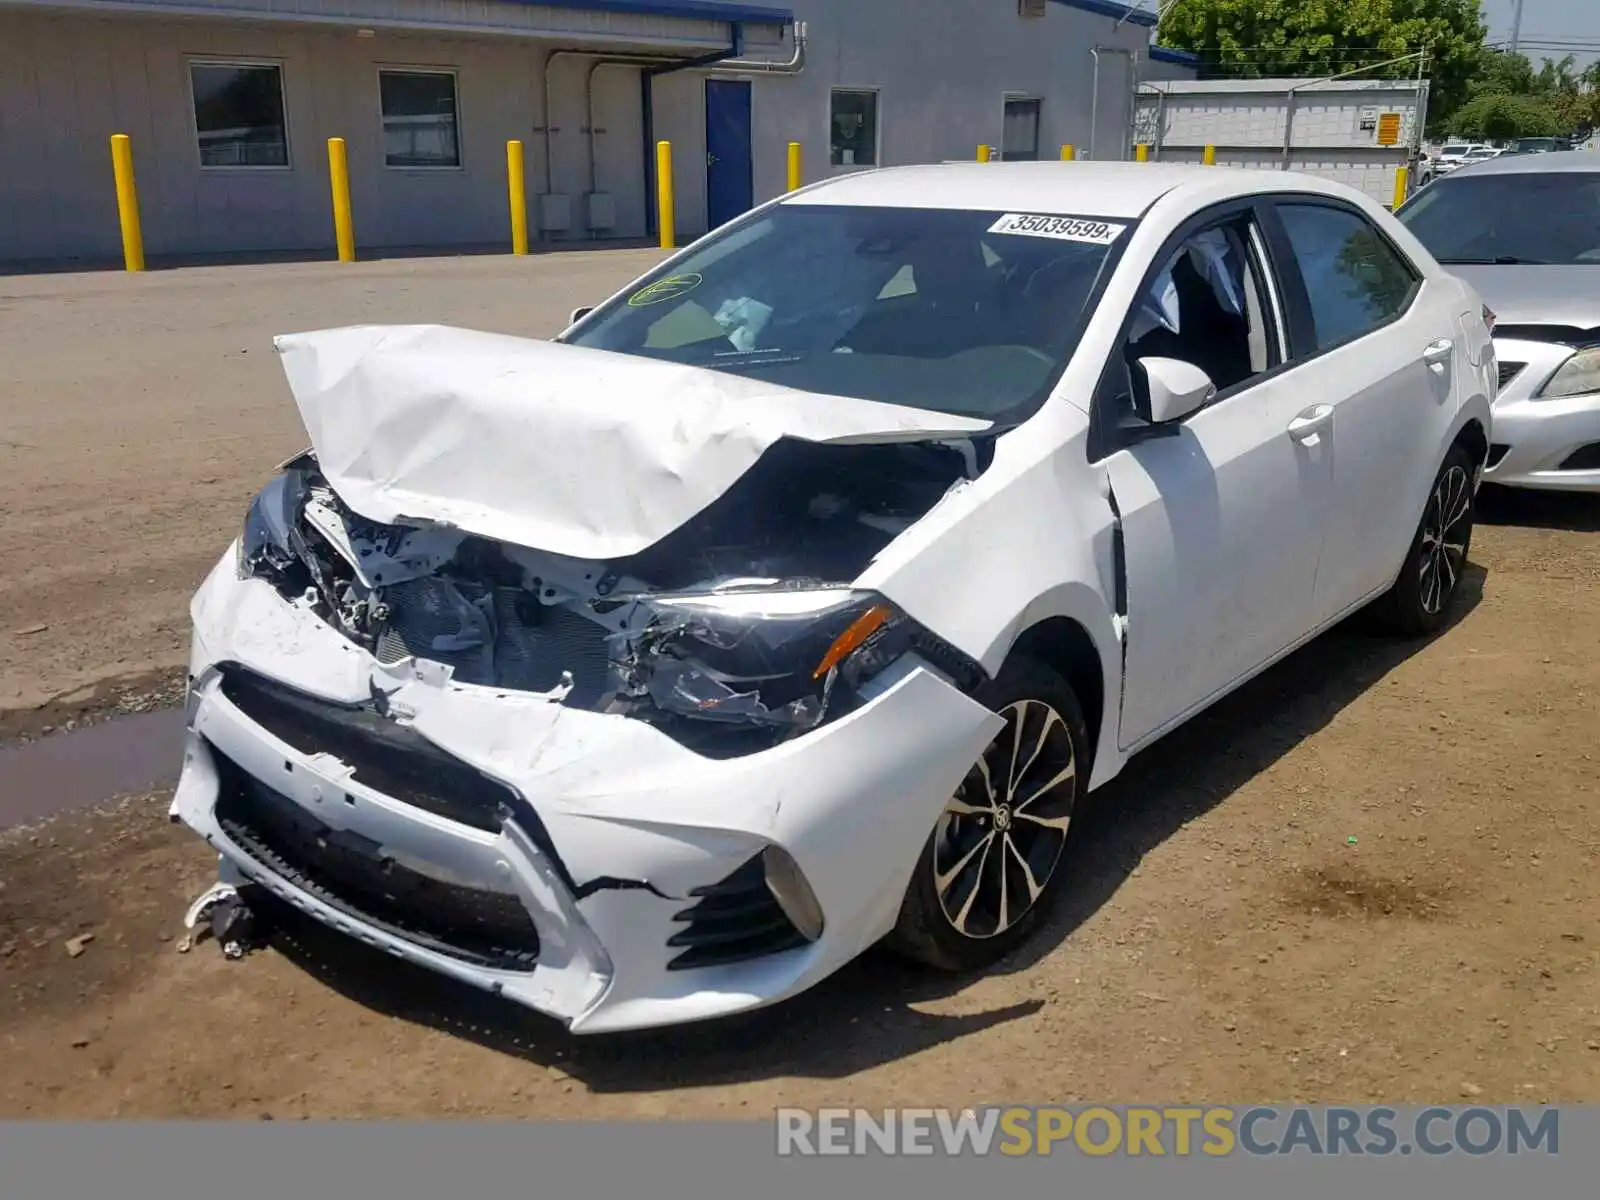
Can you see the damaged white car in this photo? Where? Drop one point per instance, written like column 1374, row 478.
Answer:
column 791, row 600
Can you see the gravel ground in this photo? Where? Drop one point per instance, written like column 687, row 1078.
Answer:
column 1371, row 874
column 141, row 414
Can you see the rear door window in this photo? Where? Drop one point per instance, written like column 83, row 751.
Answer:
column 1355, row 280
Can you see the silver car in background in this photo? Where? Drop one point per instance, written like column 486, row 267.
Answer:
column 1524, row 230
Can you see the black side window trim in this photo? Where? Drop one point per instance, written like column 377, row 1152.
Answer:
column 1105, row 438
column 1303, row 346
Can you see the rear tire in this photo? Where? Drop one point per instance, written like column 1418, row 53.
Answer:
column 1419, row 602
column 993, row 866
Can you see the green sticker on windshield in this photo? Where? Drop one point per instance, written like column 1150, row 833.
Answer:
column 663, row 290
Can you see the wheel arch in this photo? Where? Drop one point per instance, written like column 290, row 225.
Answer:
column 1474, row 439
column 1091, row 666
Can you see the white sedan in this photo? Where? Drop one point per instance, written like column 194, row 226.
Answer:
column 790, row 601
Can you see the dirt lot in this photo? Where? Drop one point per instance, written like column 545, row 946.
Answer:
column 141, row 413
column 1369, row 875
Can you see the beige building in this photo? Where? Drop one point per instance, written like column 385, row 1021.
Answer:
column 229, row 105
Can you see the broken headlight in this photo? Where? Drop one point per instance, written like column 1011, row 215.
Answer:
column 267, row 541
column 769, row 656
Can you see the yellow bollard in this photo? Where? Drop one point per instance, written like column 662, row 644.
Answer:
column 1210, row 156
column 1069, row 153
column 516, row 182
column 1402, row 185
column 794, row 166
column 343, row 226
column 983, row 154
column 1141, row 152
column 664, row 194
column 127, row 202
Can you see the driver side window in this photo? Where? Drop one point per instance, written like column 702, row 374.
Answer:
column 1208, row 306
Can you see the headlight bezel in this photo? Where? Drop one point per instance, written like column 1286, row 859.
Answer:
column 783, row 658
column 267, row 543
column 1584, row 365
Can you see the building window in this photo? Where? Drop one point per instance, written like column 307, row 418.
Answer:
column 238, row 114
column 1020, row 137
column 419, row 119
column 854, row 124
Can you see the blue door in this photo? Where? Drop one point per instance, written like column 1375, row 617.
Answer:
column 730, row 189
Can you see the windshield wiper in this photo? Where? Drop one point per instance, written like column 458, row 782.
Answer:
column 1499, row 260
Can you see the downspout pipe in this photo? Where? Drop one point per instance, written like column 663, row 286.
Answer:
column 760, row 66
column 725, row 59
column 595, row 67
column 600, row 59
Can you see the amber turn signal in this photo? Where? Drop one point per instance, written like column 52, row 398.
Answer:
column 851, row 639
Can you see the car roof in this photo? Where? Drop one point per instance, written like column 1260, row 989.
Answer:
column 1124, row 190
column 1556, row 163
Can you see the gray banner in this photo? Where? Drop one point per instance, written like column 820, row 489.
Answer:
column 307, row 1161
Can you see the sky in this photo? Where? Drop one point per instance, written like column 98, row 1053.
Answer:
column 1550, row 28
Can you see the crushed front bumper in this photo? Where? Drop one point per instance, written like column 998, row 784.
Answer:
column 601, row 871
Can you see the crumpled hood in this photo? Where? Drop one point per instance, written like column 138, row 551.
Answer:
column 573, row 451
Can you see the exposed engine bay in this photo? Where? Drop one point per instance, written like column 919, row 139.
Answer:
column 698, row 625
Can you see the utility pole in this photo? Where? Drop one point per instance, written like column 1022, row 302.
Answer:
column 1516, row 25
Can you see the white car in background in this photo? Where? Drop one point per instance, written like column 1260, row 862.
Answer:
column 1525, row 232
column 1452, row 155
column 795, row 596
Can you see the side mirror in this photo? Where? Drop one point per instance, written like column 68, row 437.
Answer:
column 579, row 314
column 1173, row 389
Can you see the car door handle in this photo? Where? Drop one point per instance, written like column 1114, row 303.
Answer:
column 1438, row 353
column 1312, row 422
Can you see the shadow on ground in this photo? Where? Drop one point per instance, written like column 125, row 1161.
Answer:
column 867, row 1014
column 1573, row 512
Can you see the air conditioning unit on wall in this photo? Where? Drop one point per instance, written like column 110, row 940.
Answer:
column 1030, row 8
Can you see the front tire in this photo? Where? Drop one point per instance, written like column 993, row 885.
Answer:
column 1419, row 602
column 993, row 865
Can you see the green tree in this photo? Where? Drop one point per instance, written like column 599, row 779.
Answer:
column 1497, row 117
column 1328, row 37
column 1501, row 72
column 1574, row 112
column 1558, row 77
column 1568, row 95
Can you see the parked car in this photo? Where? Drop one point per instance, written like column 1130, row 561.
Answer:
column 1525, row 232
column 1450, row 156
column 1541, row 145
column 793, row 598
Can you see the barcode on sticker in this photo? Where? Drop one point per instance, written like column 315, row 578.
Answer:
column 1066, row 229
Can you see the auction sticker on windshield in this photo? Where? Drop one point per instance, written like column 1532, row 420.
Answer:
column 666, row 289
column 1066, row 229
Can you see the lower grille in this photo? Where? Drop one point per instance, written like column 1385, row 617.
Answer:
column 733, row 921
column 1496, row 452
column 351, row 874
column 496, row 637
column 1584, row 458
column 387, row 757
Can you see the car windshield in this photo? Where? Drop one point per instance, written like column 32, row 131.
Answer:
column 1536, row 144
column 962, row 312
column 1455, row 151
column 1528, row 218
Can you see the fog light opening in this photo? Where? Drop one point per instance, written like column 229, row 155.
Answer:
column 789, row 888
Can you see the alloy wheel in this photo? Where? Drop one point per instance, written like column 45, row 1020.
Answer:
column 1444, row 539
column 1000, row 838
